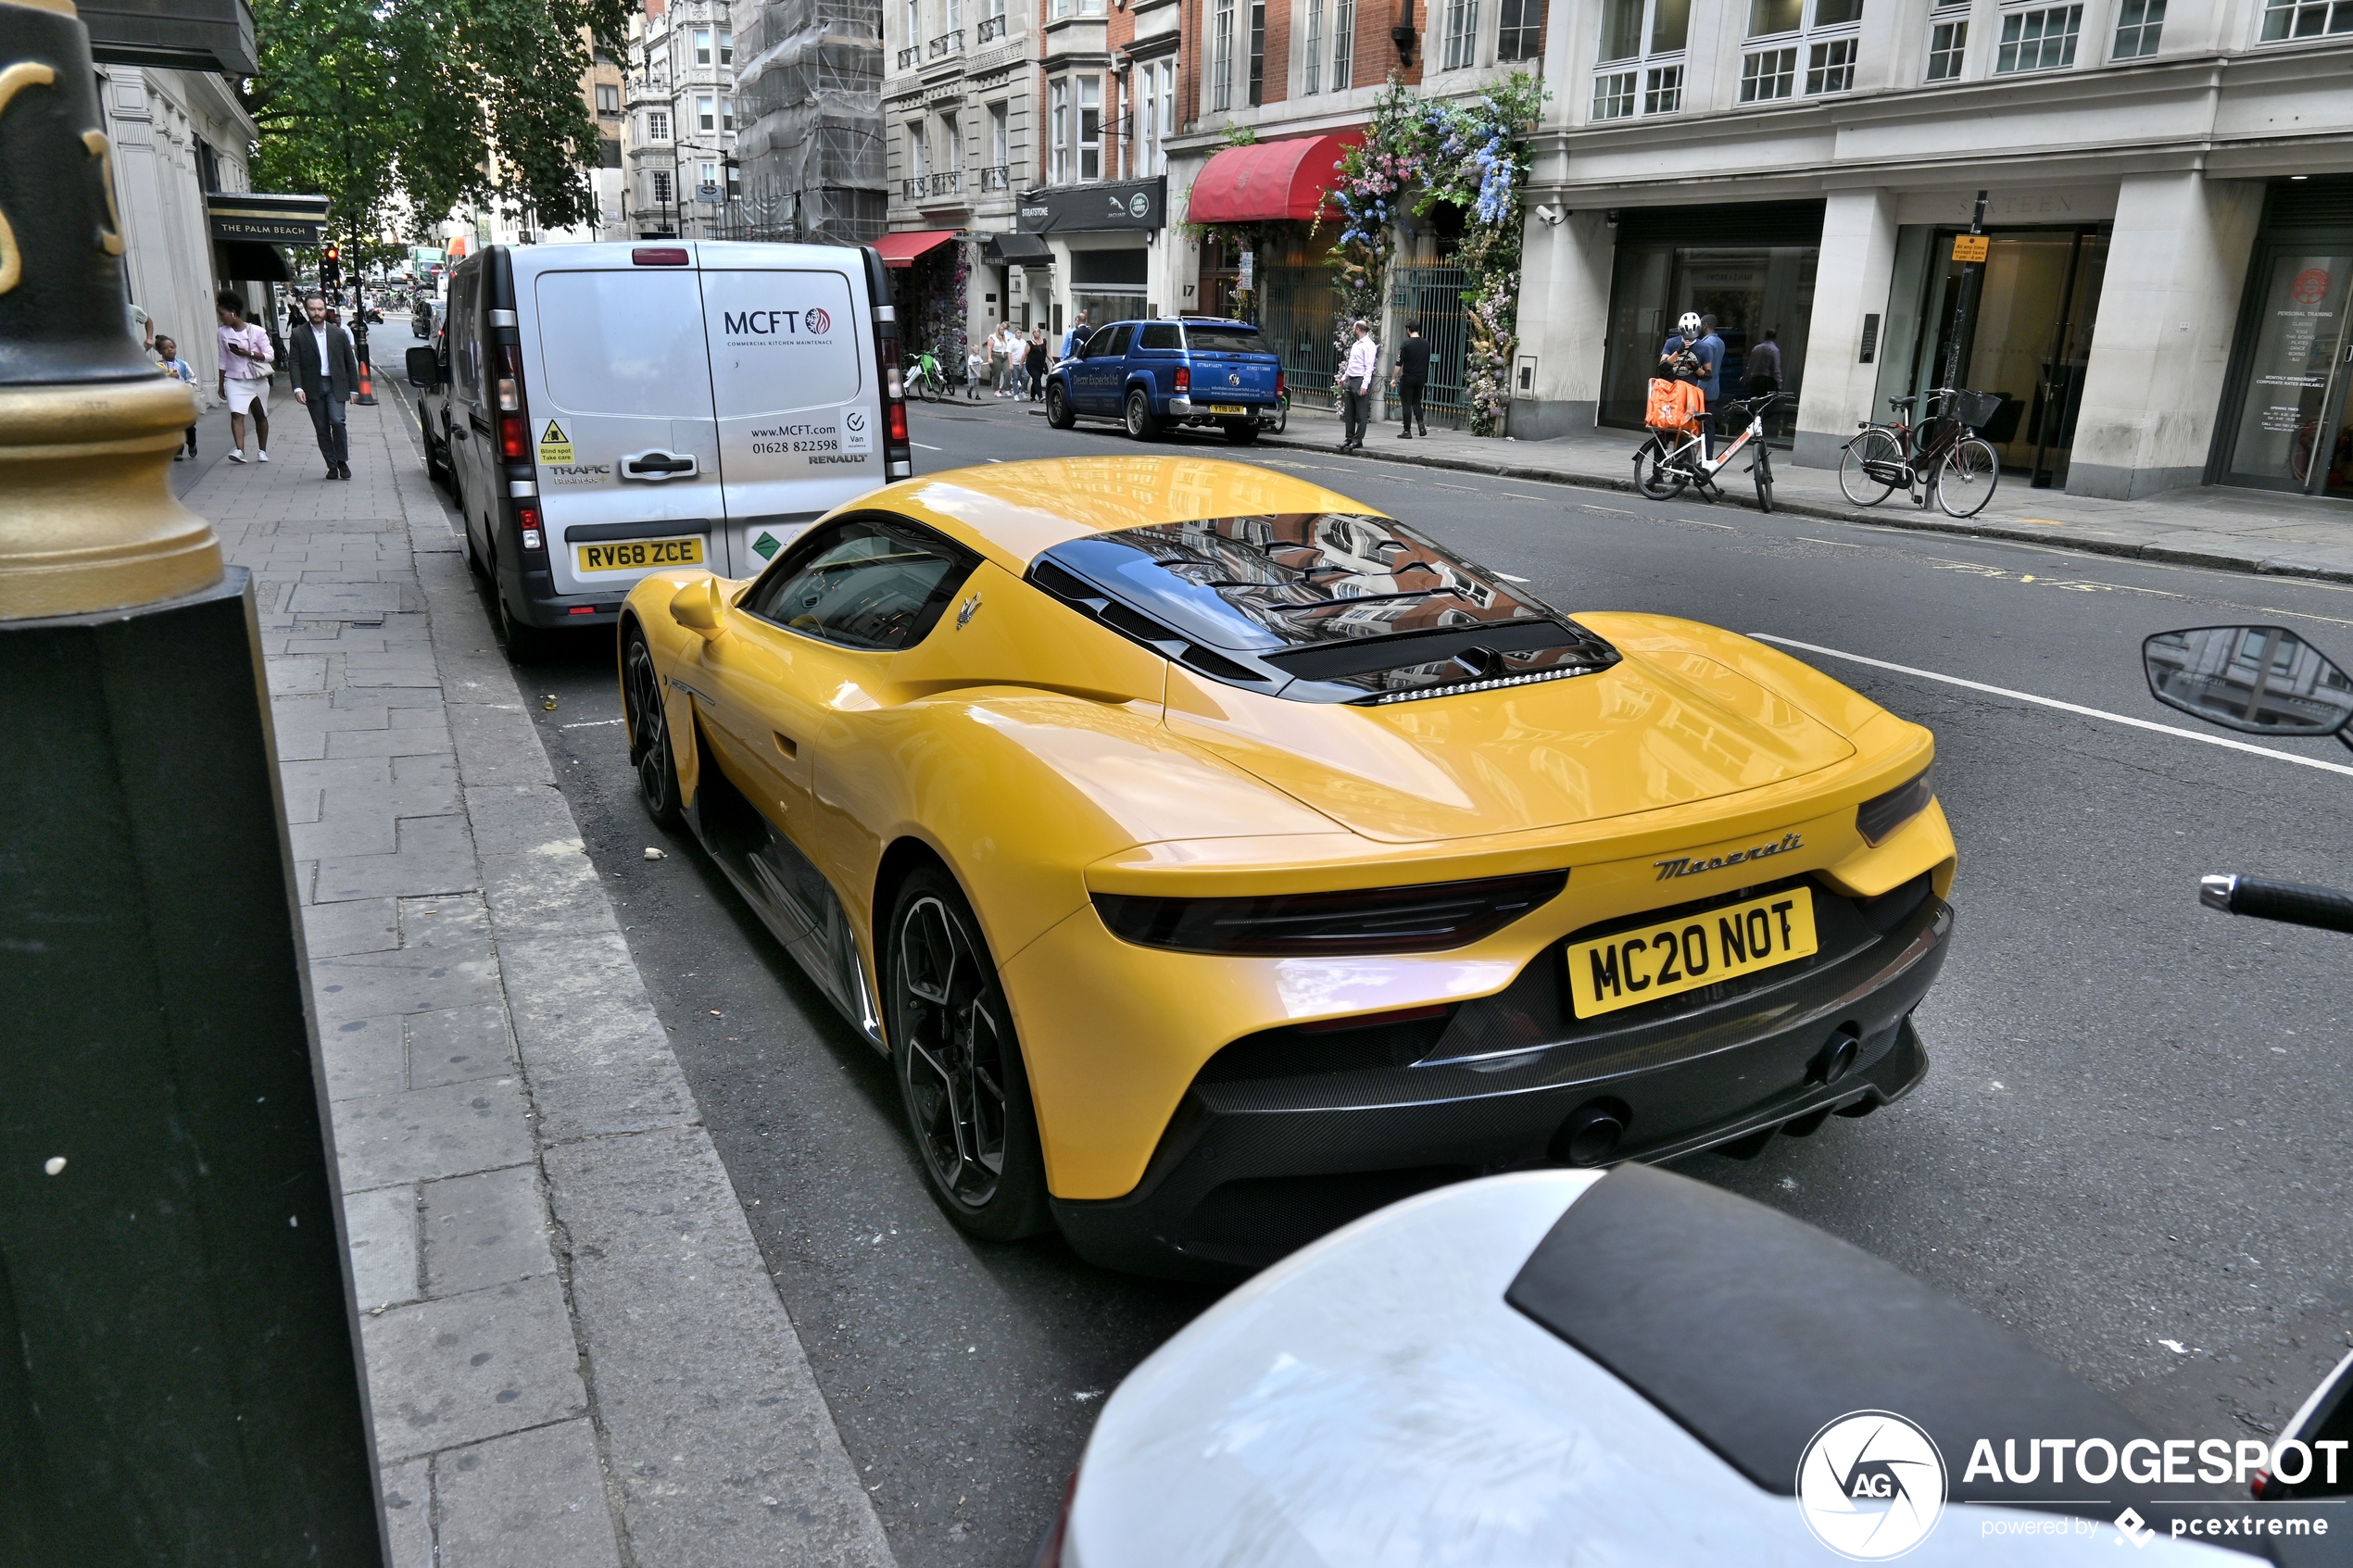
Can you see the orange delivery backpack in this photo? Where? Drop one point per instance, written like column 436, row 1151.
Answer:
column 1674, row 406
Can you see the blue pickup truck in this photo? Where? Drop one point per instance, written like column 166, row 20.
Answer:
column 1150, row 375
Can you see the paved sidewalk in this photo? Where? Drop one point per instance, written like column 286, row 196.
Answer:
column 2237, row 530
column 575, row 1354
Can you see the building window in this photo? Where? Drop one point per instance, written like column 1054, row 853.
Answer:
column 1614, row 95
column 918, row 150
column 1343, row 43
column 702, row 46
column 1522, row 26
column 1768, row 74
column 2137, row 24
column 709, row 177
column 1058, row 119
column 726, row 114
column 1829, row 68
column 657, row 126
column 727, row 47
column 1221, row 57
column 1167, row 118
column 1091, row 128
column 2039, row 40
column 1946, row 43
column 707, row 113
column 1462, row 34
column 2305, row 18
column 914, row 21
column 608, row 99
column 1258, row 51
column 1000, row 142
column 1632, row 30
column 661, row 184
column 1311, row 79
column 951, row 15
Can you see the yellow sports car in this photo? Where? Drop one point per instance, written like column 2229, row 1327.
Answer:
column 1218, row 860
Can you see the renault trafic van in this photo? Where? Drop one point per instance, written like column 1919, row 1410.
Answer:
column 607, row 410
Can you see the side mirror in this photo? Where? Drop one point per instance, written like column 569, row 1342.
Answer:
column 2258, row 680
column 700, row 607
column 422, row 369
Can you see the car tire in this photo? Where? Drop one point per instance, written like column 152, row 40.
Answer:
column 1142, row 423
column 436, row 463
column 648, row 721
column 1058, row 413
column 1241, row 432
column 959, row 1064
column 524, row 643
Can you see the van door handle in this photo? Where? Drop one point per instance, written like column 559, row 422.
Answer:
column 658, row 465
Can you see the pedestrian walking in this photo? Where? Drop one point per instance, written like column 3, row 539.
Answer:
column 1033, row 361
column 1076, row 339
column 976, row 369
column 1000, row 357
column 245, row 369
column 1765, row 365
column 1409, row 376
column 168, row 356
column 325, row 375
column 1356, row 386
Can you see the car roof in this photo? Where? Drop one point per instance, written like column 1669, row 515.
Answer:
column 1014, row 512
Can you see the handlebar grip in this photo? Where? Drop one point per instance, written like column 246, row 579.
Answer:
column 2288, row 902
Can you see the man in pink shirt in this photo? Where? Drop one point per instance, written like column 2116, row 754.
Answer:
column 245, row 369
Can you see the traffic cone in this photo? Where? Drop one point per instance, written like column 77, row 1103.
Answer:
column 367, row 398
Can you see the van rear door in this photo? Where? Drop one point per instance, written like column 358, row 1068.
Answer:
column 795, row 387
column 622, row 425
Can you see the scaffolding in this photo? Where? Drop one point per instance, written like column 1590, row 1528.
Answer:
column 809, row 102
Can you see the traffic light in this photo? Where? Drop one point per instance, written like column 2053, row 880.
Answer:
column 331, row 268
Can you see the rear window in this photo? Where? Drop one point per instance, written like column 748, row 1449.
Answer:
column 1226, row 339
column 1320, row 606
column 1160, row 335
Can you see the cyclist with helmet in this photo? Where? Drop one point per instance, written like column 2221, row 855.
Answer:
column 1695, row 353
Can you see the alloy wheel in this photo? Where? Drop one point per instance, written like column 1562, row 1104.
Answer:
column 954, row 1048
column 649, row 733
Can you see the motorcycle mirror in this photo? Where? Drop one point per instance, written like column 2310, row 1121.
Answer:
column 2258, row 680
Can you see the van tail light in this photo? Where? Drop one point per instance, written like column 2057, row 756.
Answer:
column 510, row 383
column 535, row 537
column 510, row 441
column 899, row 423
column 899, row 454
column 1184, row 378
column 658, row 255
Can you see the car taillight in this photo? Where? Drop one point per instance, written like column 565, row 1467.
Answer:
column 1426, row 919
column 1184, row 378
column 1878, row 816
column 527, row 520
column 510, row 441
column 1278, row 380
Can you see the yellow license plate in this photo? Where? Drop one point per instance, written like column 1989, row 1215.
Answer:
column 639, row 555
column 1690, row 953
column 1227, row 409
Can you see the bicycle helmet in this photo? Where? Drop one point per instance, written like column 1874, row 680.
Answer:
column 1688, row 324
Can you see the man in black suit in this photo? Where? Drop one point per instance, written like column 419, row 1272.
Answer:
column 325, row 375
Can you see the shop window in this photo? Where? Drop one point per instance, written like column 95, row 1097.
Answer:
column 1751, row 286
column 1311, row 74
column 2305, row 18
column 2138, row 22
column 1829, row 68
column 1519, row 34
column 1258, row 51
column 2041, row 40
column 1947, row 41
column 1653, row 32
column 1767, row 75
column 1462, row 34
column 1343, row 44
column 1221, row 57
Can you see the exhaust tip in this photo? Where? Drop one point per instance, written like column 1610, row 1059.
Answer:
column 1837, row 1056
column 1591, row 1135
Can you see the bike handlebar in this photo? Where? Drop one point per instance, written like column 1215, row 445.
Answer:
column 2290, row 903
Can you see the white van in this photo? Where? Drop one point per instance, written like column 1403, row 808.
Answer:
column 606, row 411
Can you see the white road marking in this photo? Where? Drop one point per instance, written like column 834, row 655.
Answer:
column 1841, row 544
column 1611, row 511
column 589, row 724
column 2062, row 707
column 927, row 447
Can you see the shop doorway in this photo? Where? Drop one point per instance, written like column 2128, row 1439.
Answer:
column 2030, row 340
column 2293, row 431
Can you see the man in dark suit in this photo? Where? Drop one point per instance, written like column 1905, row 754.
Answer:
column 325, row 375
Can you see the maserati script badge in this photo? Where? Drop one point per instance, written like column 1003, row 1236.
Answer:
column 966, row 610
column 1686, row 866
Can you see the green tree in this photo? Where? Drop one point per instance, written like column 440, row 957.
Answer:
column 378, row 104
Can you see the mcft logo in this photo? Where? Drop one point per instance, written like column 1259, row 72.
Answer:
column 774, row 323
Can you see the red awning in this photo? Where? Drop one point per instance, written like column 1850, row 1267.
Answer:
column 900, row 250
column 1268, row 179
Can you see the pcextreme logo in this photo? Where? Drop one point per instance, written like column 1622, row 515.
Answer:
column 1871, row 1485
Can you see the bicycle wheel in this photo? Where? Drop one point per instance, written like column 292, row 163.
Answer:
column 1965, row 482
column 1654, row 476
column 1861, row 462
column 1763, row 470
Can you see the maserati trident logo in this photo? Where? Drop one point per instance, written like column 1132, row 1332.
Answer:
column 1686, row 865
column 964, row 612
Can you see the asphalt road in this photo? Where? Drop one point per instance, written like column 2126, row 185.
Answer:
column 2130, row 1149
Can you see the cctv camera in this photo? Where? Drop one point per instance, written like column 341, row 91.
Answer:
column 1551, row 216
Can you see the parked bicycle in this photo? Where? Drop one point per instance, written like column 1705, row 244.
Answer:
column 1942, row 456
column 1671, row 461
column 925, row 379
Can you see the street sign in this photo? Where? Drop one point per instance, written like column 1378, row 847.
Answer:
column 706, row 192
column 1970, row 247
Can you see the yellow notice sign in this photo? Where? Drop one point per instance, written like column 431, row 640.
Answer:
column 555, row 446
column 1970, row 247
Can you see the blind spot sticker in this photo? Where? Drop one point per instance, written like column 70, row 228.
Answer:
column 555, row 446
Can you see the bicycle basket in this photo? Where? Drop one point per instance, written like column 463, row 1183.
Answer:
column 1975, row 409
